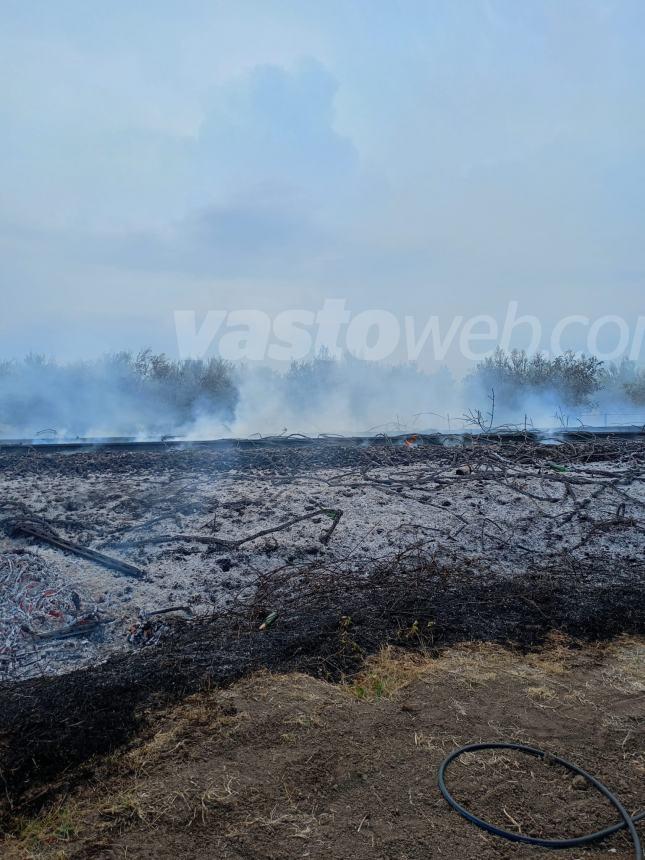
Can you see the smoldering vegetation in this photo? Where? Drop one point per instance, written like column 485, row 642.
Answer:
column 149, row 395
column 118, row 394
column 563, row 388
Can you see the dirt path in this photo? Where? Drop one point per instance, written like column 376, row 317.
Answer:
column 290, row 766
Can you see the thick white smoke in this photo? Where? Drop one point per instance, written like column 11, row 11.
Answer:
column 147, row 396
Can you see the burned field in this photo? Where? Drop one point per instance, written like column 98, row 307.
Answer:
column 98, row 546
column 337, row 548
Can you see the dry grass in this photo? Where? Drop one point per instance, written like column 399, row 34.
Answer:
column 387, row 672
column 476, row 664
column 44, row 835
column 626, row 672
column 198, row 715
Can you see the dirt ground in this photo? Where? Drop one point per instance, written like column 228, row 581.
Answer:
column 288, row 766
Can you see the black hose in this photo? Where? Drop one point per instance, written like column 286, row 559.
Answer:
column 628, row 821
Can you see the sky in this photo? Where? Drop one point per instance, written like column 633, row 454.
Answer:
column 418, row 157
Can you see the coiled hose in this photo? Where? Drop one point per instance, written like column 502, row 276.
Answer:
column 628, row 821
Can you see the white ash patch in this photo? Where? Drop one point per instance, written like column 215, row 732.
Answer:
column 497, row 518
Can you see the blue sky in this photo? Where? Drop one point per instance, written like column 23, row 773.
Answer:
column 435, row 157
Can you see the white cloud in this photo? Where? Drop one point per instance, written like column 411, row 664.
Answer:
column 428, row 159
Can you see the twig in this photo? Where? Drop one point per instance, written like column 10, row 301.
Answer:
column 230, row 543
column 327, row 536
column 91, row 554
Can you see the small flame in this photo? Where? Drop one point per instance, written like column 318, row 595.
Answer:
column 410, row 441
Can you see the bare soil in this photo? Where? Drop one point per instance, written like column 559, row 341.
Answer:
column 288, row 766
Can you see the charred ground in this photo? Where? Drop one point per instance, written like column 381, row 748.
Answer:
column 488, row 541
